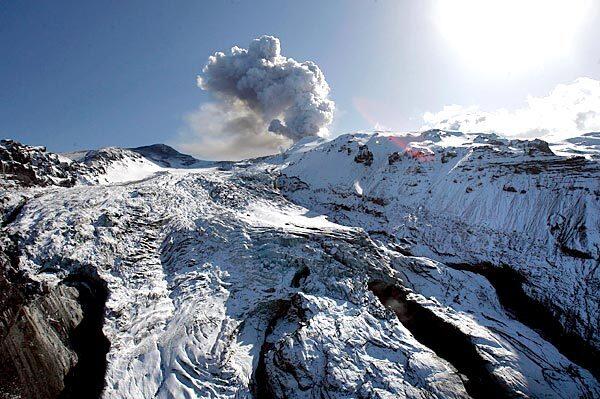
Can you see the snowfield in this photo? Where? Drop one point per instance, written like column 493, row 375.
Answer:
column 371, row 266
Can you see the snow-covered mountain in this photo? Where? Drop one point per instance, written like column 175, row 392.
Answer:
column 470, row 199
column 381, row 265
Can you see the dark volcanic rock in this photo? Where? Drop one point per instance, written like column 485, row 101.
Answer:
column 51, row 338
column 394, row 157
column 364, row 156
column 32, row 166
column 34, row 326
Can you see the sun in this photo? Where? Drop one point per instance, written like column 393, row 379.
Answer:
column 510, row 35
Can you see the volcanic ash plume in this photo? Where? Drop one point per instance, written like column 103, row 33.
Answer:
column 287, row 97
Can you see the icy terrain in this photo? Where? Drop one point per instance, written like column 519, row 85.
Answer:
column 471, row 199
column 372, row 266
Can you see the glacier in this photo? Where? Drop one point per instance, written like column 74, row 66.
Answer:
column 376, row 265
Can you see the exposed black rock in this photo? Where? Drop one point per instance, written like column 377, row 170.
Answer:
column 364, row 156
column 538, row 316
column 51, row 341
column 261, row 384
column 86, row 379
column 394, row 157
column 25, row 165
column 35, row 323
column 300, row 275
column 289, row 183
column 446, row 340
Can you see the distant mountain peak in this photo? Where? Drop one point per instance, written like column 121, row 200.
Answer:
column 166, row 156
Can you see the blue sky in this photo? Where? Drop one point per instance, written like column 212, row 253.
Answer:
column 79, row 74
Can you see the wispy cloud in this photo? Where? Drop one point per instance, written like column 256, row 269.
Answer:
column 568, row 110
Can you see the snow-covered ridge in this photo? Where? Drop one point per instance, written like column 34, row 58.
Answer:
column 587, row 144
column 168, row 157
column 119, row 165
column 470, row 199
column 374, row 265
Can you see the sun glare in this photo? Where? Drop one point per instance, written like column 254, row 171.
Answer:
column 510, row 35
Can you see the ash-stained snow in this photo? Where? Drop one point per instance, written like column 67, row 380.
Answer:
column 278, row 278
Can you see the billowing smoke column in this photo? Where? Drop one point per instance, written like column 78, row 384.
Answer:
column 287, row 96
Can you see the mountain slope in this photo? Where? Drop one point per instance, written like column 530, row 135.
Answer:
column 228, row 280
column 470, row 199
